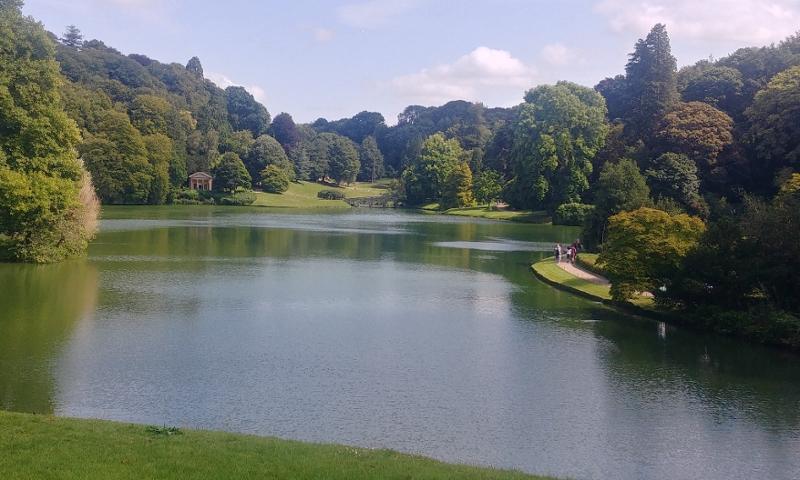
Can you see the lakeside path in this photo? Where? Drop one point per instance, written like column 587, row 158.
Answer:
column 583, row 274
column 581, row 282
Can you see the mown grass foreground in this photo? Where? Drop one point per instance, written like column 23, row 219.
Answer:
column 47, row 447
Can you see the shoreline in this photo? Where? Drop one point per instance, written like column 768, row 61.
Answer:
column 547, row 271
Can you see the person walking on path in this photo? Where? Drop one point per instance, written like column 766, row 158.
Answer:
column 557, row 252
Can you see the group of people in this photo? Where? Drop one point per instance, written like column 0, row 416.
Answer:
column 569, row 253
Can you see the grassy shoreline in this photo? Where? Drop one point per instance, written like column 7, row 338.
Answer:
column 43, row 446
column 483, row 211
column 548, row 271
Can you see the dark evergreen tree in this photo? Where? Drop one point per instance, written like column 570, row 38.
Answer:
column 72, row 37
column 195, row 67
column 371, row 160
column 651, row 77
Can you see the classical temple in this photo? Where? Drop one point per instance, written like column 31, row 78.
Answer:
column 200, row 181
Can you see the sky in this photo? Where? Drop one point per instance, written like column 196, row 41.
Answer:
column 333, row 59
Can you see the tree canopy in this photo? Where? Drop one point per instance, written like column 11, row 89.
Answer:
column 48, row 211
column 651, row 78
column 644, row 247
column 231, row 174
column 559, row 130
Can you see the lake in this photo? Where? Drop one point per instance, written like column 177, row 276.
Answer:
column 420, row 333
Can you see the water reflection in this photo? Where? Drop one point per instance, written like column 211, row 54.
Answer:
column 40, row 308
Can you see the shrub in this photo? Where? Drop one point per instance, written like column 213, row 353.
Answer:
column 330, row 195
column 240, row 199
column 274, row 179
column 186, row 196
column 573, row 214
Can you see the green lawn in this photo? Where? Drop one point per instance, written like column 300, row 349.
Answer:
column 526, row 216
column 46, row 447
column 304, row 195
column 549, row 270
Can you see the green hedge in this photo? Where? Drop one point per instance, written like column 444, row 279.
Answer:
column 330, row 195
column 573, row 214
column 239, row 199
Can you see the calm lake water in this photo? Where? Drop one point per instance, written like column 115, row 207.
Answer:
column 424, row 334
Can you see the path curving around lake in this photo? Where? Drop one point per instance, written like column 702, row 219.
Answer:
column 578, row 272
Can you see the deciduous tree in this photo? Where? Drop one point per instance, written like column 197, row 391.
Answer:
column 457, row 191
column 424, row 180
column 371, row 160
column 231, row 174
column 46, row 214
column 775, row 125
column 696, row 130
column 674, row 176
column 559, row 130
column 645, row 248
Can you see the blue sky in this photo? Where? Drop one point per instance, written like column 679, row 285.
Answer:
column 335, row 58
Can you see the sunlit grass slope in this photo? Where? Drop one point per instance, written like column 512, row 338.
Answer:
column 46, row 447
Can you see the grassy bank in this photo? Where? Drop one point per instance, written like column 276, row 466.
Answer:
column 304, row 195
column 525, row 216
column 36, row 446
column 550, row 272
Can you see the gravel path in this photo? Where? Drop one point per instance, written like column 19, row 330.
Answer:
column 582, row 274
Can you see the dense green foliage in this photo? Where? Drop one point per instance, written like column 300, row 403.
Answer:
column 47, row 208
column 674, row 176
column 231, row 174
column 332, row 156
column 140, row 118
column 371, row 160
column 620, row 187
column 650, row 83
column 245, row 113
column 575, row 214
column 424, row 180
column 330, row 195
column 457, row 189
column 274, row 179
column 559, row 130
column 696, row 130
column 644, row 247
column 775, row 124
column 265, row 151
column 487, row 187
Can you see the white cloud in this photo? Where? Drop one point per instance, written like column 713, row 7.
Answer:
column 558, row 54
column 323, row 35
column 374, row 13
column 753, row 21
column 223, row 81
column 481, row 75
